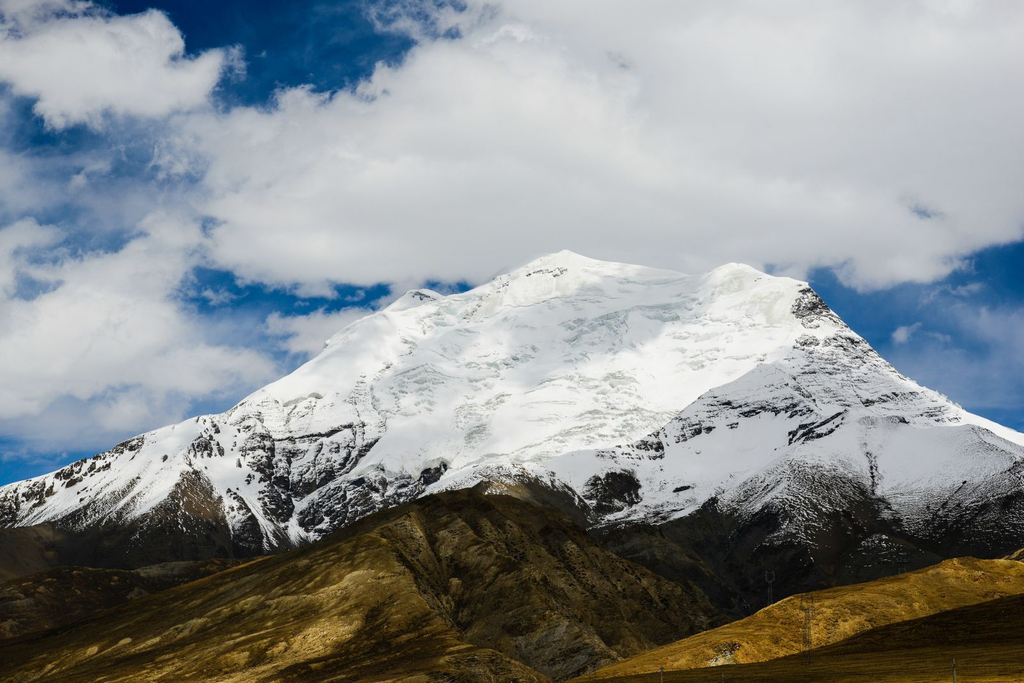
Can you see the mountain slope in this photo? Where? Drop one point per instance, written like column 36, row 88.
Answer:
column 27, row 550
column 733, row 391
column 457, row 586
column 64, row 595
column 832, row 615
column 820, row 468
column 983, row 640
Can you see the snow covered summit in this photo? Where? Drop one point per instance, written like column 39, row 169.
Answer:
column 641, row 392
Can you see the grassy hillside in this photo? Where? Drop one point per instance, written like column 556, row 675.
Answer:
column 835, row 614
column 986, row 640
column 64, row 595
column 454, row 587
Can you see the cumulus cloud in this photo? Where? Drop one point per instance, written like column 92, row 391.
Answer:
column 903, row 333
column 682, row 135
column 80, row 62
column 22, row 190
column 305, row 335
column 17, row 241
column 103, row 346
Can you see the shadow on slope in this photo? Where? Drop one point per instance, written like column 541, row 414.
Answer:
column 825, row 617
column 985, row 640
column 64, row 595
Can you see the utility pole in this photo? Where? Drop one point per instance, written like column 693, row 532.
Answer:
column 807, row 605
column 954, row 669
column 661, row 672
column 769, row 577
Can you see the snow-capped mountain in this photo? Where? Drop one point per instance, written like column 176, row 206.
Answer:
column 809, row 434
column 640, row 393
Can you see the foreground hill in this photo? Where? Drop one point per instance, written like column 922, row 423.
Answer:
column 985, row 640
column 824, row 617
column 458, row 586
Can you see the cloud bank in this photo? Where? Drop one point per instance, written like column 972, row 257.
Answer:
column 877, row 139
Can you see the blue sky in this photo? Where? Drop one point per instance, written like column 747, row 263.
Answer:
column 329, row 45
column 193, row 197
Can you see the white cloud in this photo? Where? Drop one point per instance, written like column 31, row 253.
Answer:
column 105, row 346
column 21, row 189
column 15, row 240
column 304, row 335
column 80, row 62
column 903, row 333
column 675, row 134
column 25, row 12
column 682, row 135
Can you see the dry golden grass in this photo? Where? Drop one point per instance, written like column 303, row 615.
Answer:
column 349, row 611
column 986, row 640
column 837, row 614
column 456, row 587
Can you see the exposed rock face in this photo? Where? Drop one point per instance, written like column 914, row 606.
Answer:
column 458, row 586
column 738, row 401
column 612, row 492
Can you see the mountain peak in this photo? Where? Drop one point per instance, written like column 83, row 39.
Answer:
column 414, row 298
column 564, row 258
column 566, row 272
column 737, row 268
column 570, row 262
column 541, row 372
